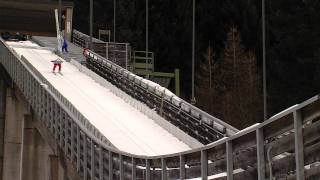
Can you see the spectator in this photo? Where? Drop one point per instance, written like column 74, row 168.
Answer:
column 64, row 45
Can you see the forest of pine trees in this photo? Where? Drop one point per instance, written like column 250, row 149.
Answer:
column 231, row 88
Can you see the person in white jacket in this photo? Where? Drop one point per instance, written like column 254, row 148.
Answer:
column 57, row 63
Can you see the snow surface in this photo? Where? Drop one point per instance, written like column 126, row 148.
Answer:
column 123, row 125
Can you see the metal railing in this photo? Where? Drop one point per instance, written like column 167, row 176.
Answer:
column 290, row 140
column 142, row 62
column 119, row 53
column 195, row 122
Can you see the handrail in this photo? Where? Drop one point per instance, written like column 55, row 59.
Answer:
column 84, row 35
column 119, row 53
column 62, row 101
column 95, row 39
column 230, row 129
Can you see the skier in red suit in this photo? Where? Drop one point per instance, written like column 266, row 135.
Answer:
column 57, row 63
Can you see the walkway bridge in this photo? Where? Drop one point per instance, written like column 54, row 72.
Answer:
column 286, row 146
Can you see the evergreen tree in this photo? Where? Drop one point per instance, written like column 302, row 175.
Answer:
column 204, row 80
column 238, row 82
column 250, row 90
column 232, row 56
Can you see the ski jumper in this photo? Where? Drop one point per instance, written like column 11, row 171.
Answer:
column 57, row 63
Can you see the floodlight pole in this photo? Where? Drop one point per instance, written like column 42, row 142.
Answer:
column 60, row 13
column 91, row 23
column 193, row 99
column 114, row 19
column 147, row 37
column 265, row 113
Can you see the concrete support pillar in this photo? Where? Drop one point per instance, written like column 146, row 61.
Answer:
column 43, row 151
column 26, row 154
column 54, row 168
column 2, row 120
column 35, row 153
column 58, row 165
column 28, row 150
column 12, row 138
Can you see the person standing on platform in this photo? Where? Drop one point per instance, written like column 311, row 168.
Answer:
column 64, row 45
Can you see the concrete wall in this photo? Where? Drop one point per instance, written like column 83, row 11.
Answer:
column 27, row 154
column 35, row 153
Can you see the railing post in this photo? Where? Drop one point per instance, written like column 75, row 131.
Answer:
column 47, row 115
column 182, row 167
column 134, row 62
column 56, row 124
column 229, row 160
column 177, row 81
column 127, row 56
column 121, row 167
column 92, row 160
column 100, row 163
column 204, row 165
column 61, row 123
column 78, row 149
column 148, row 171
column 52, row 108
column 65, row 134
column 110, row 166
column 72, row 141
column 163, row 169
column 260, row 154
column 134, row 169
column 85, row 158
column 107, row 51
column 298, row 145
